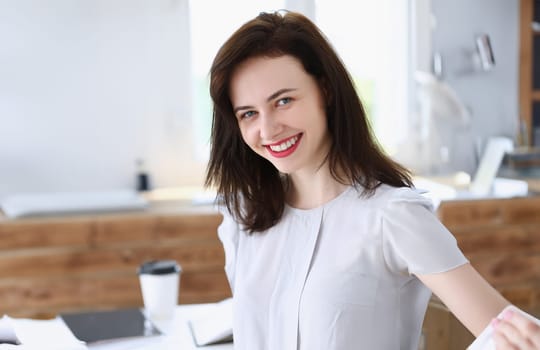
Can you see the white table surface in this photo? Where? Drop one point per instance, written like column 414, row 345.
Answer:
column 176, row 336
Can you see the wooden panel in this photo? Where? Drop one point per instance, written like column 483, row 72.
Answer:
column 442, row 331
column 497, row 239
column 477, row 213
column 508, row 269
column 501, row 238
column 192, row 257
column 456, row 214
column 131, row 229
column 535, row 94
column 48, row 296
column 204, row 287
column 524, row 211
column 525, row 65
column 17, row 234
column 50, row 265
column 127, row 229
column 194, row 226
column 520, row 294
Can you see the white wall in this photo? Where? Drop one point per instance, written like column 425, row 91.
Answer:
column 87, row 87
column 492, row 97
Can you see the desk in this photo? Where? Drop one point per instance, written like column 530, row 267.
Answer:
column 177, row 334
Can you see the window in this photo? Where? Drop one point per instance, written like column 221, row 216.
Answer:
column 370, row 37
column 209, row 30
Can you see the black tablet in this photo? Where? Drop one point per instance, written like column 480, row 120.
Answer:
column 106, row 325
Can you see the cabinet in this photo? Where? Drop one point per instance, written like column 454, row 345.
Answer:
column 73, row 263
column 529, row 69
column 501, row 239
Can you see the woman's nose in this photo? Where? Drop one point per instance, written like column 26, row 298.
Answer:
column 269, row 126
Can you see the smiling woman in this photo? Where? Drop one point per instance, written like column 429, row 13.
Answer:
column 327, row 242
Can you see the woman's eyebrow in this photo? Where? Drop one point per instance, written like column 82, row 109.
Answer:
column 240, row 108
column 279, row 92
column 268, row 99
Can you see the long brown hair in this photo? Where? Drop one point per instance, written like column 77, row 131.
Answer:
column 250, row 186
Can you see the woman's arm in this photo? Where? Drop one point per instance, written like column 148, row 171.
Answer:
column 468, row 296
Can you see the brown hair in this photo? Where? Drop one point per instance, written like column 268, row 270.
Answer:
column 250, row 186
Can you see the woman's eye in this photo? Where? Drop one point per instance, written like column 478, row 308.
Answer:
column 247, row 114
column 284, row 101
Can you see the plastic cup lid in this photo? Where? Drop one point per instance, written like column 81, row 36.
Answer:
column 159, row 267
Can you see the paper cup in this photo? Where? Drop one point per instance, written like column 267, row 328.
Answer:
column 160, row 281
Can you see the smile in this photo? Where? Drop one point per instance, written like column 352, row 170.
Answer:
column 284, row 148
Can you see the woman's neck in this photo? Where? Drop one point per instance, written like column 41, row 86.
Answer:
column 307, row 191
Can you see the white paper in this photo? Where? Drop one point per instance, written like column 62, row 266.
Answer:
column 40, row 334
column 214, row 326
column 485, row 339
column 50, row 345
column 7, row 333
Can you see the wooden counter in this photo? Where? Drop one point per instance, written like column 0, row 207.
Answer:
column 64, row 263
column 501, row 238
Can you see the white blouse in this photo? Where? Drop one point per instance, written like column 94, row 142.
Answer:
column 340, row 276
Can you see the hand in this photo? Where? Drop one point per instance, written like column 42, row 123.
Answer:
column 515, row 332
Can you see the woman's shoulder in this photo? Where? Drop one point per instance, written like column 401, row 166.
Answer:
column 384, row 196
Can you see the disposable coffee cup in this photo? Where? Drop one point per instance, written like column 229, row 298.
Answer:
column 160, row 281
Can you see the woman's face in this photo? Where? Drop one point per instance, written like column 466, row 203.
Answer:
column 281, row 112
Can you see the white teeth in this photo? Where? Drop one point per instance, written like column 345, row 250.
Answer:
column 285, row 145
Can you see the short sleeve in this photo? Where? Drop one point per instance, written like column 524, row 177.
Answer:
column 228, row 232
column 414, row 240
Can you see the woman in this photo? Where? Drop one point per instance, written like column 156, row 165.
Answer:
column 327, row 244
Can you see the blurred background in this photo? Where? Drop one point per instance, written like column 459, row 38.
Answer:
column 91, row 91
column 102, row 97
